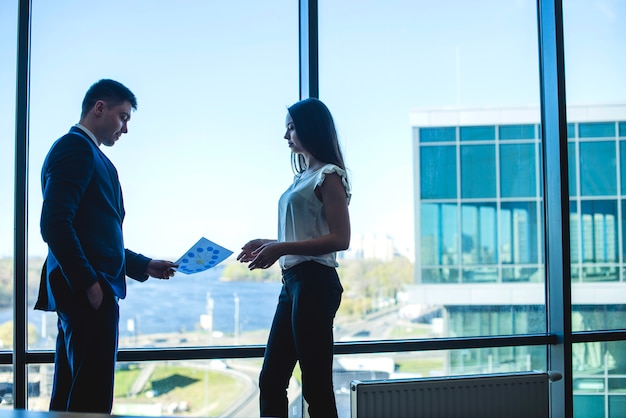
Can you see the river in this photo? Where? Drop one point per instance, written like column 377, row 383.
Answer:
column 176, row 305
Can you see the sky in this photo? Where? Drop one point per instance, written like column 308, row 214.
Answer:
column 205, row 156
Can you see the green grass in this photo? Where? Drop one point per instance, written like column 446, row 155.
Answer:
column 409, row 331
column 422, row 365
column 124, row 380
column 208, row 392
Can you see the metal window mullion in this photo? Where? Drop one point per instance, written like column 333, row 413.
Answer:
column 556, row 202
column 308, row 35
column 20, row 271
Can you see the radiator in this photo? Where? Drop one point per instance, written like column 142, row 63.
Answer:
column 509, row 395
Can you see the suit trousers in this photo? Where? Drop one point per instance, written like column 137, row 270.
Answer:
column 302, row 330
column 84, row 362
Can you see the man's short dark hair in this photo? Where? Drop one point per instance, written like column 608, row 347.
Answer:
column 110, row 91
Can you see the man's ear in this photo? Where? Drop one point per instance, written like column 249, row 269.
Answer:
column 99, row 107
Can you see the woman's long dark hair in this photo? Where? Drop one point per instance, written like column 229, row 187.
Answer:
column 316, row 131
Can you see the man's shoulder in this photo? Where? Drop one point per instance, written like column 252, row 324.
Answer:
column 73, row 139
column 70, row 147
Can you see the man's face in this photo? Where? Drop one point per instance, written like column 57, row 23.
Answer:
column 113, row 122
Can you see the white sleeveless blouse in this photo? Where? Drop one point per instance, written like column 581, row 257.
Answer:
column 301, row 214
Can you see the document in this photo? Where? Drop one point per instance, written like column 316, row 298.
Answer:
column 203, row 255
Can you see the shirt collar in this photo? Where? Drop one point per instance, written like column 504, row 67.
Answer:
column 89, row 133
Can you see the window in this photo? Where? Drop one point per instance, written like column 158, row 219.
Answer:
column 8, row 32
column 206, row 125
column 596, row 130
column 516, row 132
column 598, row 176
column 478, row 171
column 443, row 224
column 592, row 34
column 516, row 159
column 438, row 171
column 437, row 134
column 478, row 133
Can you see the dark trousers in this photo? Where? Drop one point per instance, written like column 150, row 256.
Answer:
column 302, row 331
column 84, row 362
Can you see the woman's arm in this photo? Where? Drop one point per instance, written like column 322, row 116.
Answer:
column 335, row 201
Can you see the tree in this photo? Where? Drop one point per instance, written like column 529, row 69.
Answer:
column 6, row 334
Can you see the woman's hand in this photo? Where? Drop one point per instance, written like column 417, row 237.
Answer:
column 266, row 255
column 246, row 251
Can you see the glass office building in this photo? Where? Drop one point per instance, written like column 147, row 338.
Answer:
column 478, row 216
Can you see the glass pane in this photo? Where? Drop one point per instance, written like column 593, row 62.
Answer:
column 8, row 34
column 517, row 132
column 598, row 174
column 429, row 364
column 622, row 167
column 439, row 241
column 477, row 133
column 204, row 147
column 438, row 172
column 571, row 168
column 595, row 110
column 171, row 388
column 599, row 380
column 437, row 134
column 516, row 159
column 478, row 171
column 464, row 88
column 228, row 387
column 571, row 130
column 596, row 130
column 479, row 233
column 6, row 387
column 575, row 234
column 519, row 233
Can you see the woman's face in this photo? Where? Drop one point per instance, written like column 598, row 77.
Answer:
column 292, row 137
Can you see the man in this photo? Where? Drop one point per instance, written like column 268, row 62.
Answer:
column 87, row 264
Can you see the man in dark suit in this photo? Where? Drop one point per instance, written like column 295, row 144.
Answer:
column 87, row 264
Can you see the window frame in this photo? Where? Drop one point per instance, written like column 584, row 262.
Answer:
column 559, row 337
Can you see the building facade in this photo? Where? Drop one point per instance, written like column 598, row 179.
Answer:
column 480, row 241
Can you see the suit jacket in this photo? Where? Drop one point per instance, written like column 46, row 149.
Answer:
column 81, row 221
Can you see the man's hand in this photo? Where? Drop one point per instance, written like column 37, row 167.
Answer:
column 161, row 269
column 95, row 295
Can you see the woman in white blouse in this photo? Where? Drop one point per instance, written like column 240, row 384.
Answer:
column 313, row 224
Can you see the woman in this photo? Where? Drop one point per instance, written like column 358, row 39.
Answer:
column 313, row 224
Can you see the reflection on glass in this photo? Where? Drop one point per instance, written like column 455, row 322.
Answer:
column 593, row 317
column 598, row 168
column 439, row 234
column 496, row 320
column 478, row 171
column 6, row 387
column 517, row 132
column 599, row 379
column 516, row 159
column 438, row 172
column 519, row 233
column 479, row 233
column 571, row 168
column 477, row 133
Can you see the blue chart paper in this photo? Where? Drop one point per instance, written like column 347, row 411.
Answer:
column 202, row 256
